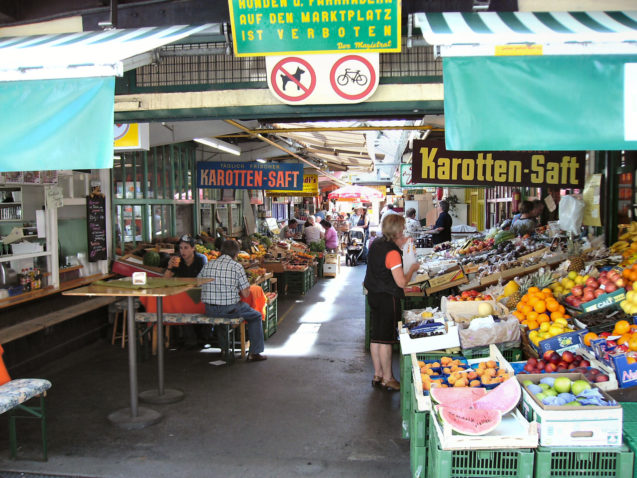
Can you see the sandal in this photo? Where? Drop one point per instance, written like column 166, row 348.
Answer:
column 392, row 385
column 256, row 358
column 376, row 381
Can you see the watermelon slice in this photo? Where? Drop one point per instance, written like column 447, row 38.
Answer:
column 469, row 421
column 456, row 397
column 504, row 397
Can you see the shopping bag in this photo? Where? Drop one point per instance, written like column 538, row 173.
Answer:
column 571, row 214
column 409, row 257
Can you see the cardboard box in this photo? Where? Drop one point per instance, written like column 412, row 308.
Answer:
column 626, row 373
column 425, row 344
column 470, row 307
column 585, row 425
column 332, row 259
column 567, row 341
column 273, row 266
column 604, row 300
column 453, row 275
column 330, row 269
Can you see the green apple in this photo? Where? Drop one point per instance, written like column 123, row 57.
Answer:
column 579, row 386
column 526, row 383
column 541, row 396
column 562, row 385
column 550, row 392
column 545, row 386
column 574, row 403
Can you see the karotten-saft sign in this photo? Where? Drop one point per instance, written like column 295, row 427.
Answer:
column 278, row 27
column 433, row 164
column 236, row 175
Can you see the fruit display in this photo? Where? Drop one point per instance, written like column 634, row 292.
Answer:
column 470, row 295
column 540, row 280
column 210, row 254
column 476, row 245
column 455, row 373
column 629, row 304
column 627, row 243
column 475, row 413
column 544, row 316
column 567, row 361
column 575, row 255
column 562, row 391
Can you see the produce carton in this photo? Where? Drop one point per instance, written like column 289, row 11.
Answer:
column 425, row 344
column 469, row 306
column 604, row 300
column 451, row 275
column 274, row 266
column 566, row 341
column 626, row 372
column 586, row 425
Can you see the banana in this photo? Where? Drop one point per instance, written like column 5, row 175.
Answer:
column 620, row 246
column 625, row 236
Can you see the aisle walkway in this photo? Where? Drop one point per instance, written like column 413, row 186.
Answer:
column 307, row 411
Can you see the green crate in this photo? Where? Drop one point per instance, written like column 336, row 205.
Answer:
column 418, row 460
column 630, row 431
column 418, row 424
column 631, row 443
column 516, row 463
column 583, row 462
column 511, row 354
column 629, row 412
column 406, row 389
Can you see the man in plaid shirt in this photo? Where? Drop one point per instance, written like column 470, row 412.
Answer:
column 223, row 295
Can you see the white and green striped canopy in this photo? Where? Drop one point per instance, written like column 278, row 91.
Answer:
column 84, row 54
column 469, row 33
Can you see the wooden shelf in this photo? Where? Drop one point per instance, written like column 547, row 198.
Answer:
column 17, row 257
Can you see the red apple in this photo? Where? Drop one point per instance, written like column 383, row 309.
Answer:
column 602, row 377
column 571, row 366
column 592, row 282
column 547, row 355
column 541, row 365
column 562, row 364
column 555, row 358
column 620, row 282
column 611, row 288
column 577, row 291
column 532, row 361
column 568, row 356
column 599, row 292
column 588, row 296
column 594, row 372
column 550, row 368
column 529, row 368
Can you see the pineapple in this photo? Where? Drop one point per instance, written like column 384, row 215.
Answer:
column 575, row 256
column 540, row 279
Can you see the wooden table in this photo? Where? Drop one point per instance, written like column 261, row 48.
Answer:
column 139, row 417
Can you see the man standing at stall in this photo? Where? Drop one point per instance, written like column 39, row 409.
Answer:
column 223, row 295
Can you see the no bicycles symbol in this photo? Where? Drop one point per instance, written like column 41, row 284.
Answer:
column 293, row 79
column 323, row 79
column 353, row 77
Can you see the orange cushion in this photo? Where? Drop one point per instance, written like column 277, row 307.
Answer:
column 4, row 375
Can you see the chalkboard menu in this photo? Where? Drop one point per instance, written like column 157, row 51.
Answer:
column 96, row 221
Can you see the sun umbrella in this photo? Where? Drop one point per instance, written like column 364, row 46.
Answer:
column 355, row 193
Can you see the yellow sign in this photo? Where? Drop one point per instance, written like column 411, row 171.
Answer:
column 131, row 136
column 310, row 188
column 518, row 50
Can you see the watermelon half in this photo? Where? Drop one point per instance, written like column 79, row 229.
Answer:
column 468, row 421
column 456, row 397
column 504, row 397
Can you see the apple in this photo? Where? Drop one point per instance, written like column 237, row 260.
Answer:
column 571, row 366
column 611, row 288
column 602, row 377
column 579, row 386
column 588, row 296
column 620, row 282
column 551, row 392
column 562, row 364
column 577, row 291
column 584, row 363
column 526, row 383
column 562, row 384
column 592, row 282
column 568, row 356
column 529, row 368
column 576, row 302
column 599, row 292
column 561, row 369
column 540, row 396
column 555, row 358
column 547, row 355
column 545, row 386
column 541, row 365
column 594, row 372
column 532, row 361
column 550, row 368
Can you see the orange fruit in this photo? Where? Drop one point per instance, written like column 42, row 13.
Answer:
column 632, row 276
column 626, row 273
column 526, row 309
column 543, row 318
column 541, row 295
column 532, row 324
column 631, row 360
column 624, row 339
column 532, row 315
column 540, row 306
column 556, row 315
column 588, row 337
column 552, row 305
column 632, row 344
column 562, row 309
column 532, row 301
column 533, row 290
column 622, row 327
column 519, row 315
column 547, row 291
column 519, row 306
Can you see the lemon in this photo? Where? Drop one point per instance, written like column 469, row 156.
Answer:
column 533, row 334
column 572, row 275
column 561, row 321
column 544, row 327
column 555, row 330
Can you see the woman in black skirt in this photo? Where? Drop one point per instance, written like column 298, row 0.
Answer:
column 385, row 282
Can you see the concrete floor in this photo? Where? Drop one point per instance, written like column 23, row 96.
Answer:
column 309, row 410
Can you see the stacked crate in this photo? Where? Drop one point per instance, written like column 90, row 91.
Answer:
column 298, row 282
column 271, row 318
column 331, row 267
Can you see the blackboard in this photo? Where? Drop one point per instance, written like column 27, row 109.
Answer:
column 96, row 222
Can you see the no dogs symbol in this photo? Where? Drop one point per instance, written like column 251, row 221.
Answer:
column 293, row 79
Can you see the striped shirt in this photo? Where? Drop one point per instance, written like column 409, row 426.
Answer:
column 229, row 279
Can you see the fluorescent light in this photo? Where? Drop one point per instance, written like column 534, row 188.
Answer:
column 221, row 145
column 261, row 160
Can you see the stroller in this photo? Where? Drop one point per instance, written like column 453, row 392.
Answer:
column 355, row 247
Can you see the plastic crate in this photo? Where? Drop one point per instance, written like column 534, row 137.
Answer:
column 418, row 456
column 406, row 391
column 630, row 412
column 631, row 443
column 584, row 462
column 629, row 431
column 511, row 354
column 271, row 319
column 418, row 425
column 516, row 463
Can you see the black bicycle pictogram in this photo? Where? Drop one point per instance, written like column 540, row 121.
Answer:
column 351, row 75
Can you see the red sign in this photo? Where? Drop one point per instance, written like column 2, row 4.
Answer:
column 353, row 77
column 297, row 75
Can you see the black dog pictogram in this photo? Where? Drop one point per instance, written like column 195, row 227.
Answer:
column 296, row 76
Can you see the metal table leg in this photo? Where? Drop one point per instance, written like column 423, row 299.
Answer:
column 161, row 395
column 134, row 417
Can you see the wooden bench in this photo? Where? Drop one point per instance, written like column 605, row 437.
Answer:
column 230, row 323
column 13, row 395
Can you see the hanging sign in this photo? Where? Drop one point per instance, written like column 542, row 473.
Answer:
column 131, row 136
column 249, row 175
column 271, row 27
column 310, row 188
column 96, row 225
column 323, row 79
column 433, row 164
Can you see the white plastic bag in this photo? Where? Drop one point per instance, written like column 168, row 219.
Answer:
column 409, row 257
column 571, row 214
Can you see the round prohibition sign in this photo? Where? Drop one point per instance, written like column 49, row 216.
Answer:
column 356, row 77
column 291, row 74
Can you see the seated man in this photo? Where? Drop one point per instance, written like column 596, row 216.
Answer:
column 189, row 263
column 221, row 296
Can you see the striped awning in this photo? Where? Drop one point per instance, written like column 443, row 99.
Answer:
column 518, row 33
column 86, row 54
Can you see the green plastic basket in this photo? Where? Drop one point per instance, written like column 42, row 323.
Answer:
column 418, row 460
column 630, row 412
column 631, row 443
column 516, row 463
column 584, row 462
column 418, row 425
column 406, row 391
